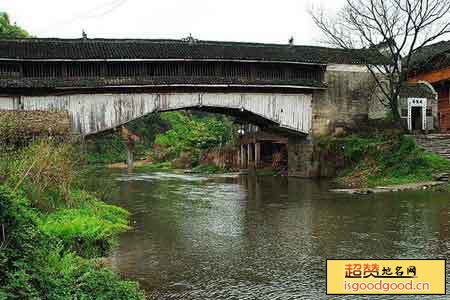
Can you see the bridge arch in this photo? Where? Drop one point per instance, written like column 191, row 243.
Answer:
column 97, row 112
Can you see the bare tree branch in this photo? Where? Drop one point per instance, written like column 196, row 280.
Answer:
column 397, row 29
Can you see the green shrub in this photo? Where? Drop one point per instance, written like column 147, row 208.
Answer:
column 194, row 134
column 106, row 149
column 49, row 171
column 106, row 285
column 90, row 230
column 36, row 265
column 373, row 159
column 22, row 249
column 46, row 170
column 71, row 277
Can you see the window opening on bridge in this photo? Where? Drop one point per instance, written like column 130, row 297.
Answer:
column 236, row 71
column 8, row 70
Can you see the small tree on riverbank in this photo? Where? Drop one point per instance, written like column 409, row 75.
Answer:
column 398, row 29
column 8, row 30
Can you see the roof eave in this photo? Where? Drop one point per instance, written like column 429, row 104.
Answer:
column 163, row 60
column 202, row 85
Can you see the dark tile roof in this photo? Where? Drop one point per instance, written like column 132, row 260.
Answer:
column 175, row 49
column 416, row 90
column 182, row 81
column 425, row 58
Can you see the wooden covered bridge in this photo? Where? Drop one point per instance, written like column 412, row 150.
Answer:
column 302, row 90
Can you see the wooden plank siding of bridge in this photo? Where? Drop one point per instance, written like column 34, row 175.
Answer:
column 93, row 113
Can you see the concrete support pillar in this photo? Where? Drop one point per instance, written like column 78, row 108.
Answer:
column 257, row 155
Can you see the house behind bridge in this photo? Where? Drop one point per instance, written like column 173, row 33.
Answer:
column 432, row 65
column 300, row 92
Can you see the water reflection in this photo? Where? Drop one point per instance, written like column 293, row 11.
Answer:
column 264, row 238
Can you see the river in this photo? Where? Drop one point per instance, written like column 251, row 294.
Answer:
column 196, row 237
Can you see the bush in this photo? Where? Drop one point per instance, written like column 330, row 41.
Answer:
column 43, row 252
column 49, row 171
column 194, row 134
column 36, row 265
column 46, row 170
column 89, row 230
column 71, row 277
column 22, row 248
column 382, row 158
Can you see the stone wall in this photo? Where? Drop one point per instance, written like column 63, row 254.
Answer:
column 37, row 123
column 301, row 157
column 344, row 104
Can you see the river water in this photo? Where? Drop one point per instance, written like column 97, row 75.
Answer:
column 202, row 238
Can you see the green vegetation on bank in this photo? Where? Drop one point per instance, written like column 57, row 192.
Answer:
column 53, row 231
column 381, row 158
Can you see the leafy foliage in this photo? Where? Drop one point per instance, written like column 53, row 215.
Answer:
column 8, row 30
column 46, row 170
column 35, row 265
column 111, row 147
column 90, row 230
column 192, row 133
column 52, row 226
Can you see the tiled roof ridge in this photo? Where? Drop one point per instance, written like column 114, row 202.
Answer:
column 172, row 41
column 85, row 48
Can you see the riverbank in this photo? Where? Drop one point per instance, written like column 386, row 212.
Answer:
column 395, row 188
column 56, row 229
column 379, row 159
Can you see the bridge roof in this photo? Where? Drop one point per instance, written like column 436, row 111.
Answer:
column 126, row 49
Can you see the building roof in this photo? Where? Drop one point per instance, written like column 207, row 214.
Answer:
column 425, row 59
column 126, row 49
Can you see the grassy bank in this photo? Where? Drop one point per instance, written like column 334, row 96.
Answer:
column 381, row 158
column 54, row 231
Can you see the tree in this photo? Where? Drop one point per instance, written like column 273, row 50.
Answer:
column 8, row 30
column 398, row 29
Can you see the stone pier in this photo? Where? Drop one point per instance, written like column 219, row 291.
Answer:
column 302, row 161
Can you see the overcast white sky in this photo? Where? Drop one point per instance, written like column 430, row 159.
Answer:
column 272, row 21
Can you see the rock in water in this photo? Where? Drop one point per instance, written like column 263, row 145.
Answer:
column 181, row 286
